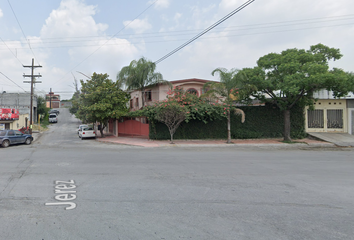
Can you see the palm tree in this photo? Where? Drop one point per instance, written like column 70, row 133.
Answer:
column 223, row 91
column 139, row 75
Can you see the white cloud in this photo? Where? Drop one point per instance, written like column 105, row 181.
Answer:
column 72, row 18
column 81, row 45
column 161, row 4
column 110, row 57
column 229, row 4
column 138, row 25
column 199, row 15
column 1, row 14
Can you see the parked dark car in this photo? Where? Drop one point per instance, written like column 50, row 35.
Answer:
column 54, row 111
column 10, row 137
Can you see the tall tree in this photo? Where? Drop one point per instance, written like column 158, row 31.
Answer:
column 139, row 75
column 100, row 100
column 291, row 77
column 226, row 91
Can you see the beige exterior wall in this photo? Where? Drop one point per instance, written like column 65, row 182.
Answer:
column 17, row 124
column 159, row 93
column 185, row 86
column 329, row 104
column 21, row 122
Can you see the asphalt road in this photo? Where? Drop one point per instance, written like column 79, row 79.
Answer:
column 61, row 187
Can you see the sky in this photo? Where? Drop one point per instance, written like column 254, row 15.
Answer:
column 72, row 39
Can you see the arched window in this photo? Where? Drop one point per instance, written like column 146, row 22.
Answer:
column 193, row 91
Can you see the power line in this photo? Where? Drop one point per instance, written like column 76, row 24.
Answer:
column 206, row 30
column 11, row 51
column 13, row 82
column 226, row 36
column 29, row 45
column 189, row 32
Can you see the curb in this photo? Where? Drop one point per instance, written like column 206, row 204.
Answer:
column 235, row 145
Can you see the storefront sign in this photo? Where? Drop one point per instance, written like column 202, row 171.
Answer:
column 9, row 114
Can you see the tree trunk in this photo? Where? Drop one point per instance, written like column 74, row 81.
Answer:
column 287, row 125
column 101, row 131
column 171, row 138
column 143, row 98
column 228, row 127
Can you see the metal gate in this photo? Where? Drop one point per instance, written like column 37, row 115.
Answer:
column 133, row 128
column 334, row 120
column 315, row 118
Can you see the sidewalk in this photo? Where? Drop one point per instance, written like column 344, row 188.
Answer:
column 143, row 142
column 36, row 135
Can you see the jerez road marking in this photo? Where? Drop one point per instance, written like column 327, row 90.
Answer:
column 66, row 191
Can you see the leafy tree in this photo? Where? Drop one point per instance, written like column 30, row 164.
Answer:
column 41, row 106
column 139, row 75
column 291, row 77
column 100, row 100
column 75, row 103
column 172, row 116
column 75, row 98
column 227, row 92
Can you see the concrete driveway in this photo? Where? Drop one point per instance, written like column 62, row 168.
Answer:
column 339, row 139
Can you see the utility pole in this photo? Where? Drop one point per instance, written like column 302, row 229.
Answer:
column 33, row 81
column 50, row 98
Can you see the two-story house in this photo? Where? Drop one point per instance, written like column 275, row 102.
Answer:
column 139, row 127
column 52, row 100
column 159, row 92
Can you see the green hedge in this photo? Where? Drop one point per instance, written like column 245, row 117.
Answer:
column 261, row 122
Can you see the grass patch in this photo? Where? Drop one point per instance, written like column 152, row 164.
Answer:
column 43, row 126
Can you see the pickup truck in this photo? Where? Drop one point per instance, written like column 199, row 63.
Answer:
column 53, row 118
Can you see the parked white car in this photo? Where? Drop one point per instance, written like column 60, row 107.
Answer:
column 53, row 118
column 87, row 132
column 80, row 128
